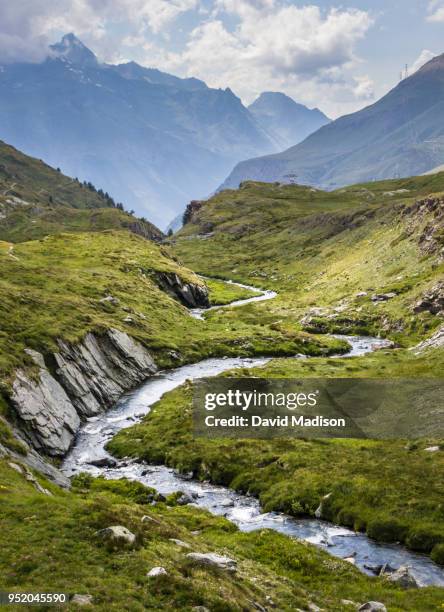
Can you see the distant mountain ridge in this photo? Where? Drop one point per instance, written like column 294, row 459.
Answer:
column 152, row 140
column 284, row 119
column 402, row 134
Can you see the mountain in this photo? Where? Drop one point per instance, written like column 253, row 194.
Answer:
column 400, row 135
column 37, row 200
column 154, row 140
column 287, row 121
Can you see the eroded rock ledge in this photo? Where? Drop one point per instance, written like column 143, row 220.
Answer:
column 190, row 294
column 89, row 377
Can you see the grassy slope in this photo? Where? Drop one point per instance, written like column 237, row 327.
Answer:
column 52, row 288
column 63, row 555
column 320, row 249
column 36, row 200
column 360, row 242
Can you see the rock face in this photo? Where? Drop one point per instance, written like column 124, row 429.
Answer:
column 89, row 378
column 190, row 294
column 434, row 341
column 432, row 301
column 97, row 371
column 213, row 560
column 49, row 419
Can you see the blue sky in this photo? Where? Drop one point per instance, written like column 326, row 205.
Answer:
column 339, row 56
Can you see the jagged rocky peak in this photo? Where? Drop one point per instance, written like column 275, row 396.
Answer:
column 71, row 49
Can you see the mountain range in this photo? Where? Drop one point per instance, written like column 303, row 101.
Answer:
column 402, row 134
column 153, row 140
column 287, row 121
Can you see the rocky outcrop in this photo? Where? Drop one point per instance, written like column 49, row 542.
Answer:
column 49, row 419
column 89, row 377
column 98, row 370
column 404, row 578
column 435, row 341
column 191, row 295
column 432, row 301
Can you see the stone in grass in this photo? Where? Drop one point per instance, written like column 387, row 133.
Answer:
column 82, row 600
column 214, row 560
column 180, row 543
column 117, row 536
column 200, row 609
column 157, row 571
column 372, row 606
column 404, row 578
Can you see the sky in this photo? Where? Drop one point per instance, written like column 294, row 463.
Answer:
column 337, row 56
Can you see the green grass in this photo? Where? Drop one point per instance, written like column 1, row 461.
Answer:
column 48, row 543
column 222, row 293
column 52, row 288
column 320, row 250
column 370, row 481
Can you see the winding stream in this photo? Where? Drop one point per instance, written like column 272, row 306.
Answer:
column 242, row 510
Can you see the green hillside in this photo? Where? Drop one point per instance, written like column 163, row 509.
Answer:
column 36, row 200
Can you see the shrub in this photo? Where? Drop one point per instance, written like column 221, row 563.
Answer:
column 386, row 530
column 424, row 539
column 438, row 554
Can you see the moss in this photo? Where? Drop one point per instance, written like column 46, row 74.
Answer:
column 387, row 530
column 438, row 554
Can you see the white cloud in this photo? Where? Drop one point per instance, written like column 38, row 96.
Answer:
column 422, row 59
column 364, row 88
column 29, row 26
column 274, row 45
column 436, row 11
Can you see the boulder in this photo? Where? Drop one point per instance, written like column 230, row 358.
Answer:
column 373, row 606
column 404, row 578
column 180, row 543
column 184, row 499
column 213, row 560
column 104, row 462
column 82, row 600
column 157, row 571
column 192, row 295
column 117, row 536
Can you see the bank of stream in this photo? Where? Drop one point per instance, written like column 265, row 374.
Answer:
column 242, row 510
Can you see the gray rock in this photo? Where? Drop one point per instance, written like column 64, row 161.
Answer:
column 157, row 571
column 98, row 370
column 104, row 462
column 117, row 536
column 191, row 295
column 213, row 560
column 47, row 416
column 110, row 299
column 82, row 600
column 404, row 578
column 185, row 499
column 227, row 503
column 373, row 606
column 432, row 301
column 180, row 543
column 200, row 609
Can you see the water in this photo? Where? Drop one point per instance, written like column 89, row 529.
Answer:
column 242, row 510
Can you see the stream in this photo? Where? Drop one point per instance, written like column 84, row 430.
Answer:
column 243, row 510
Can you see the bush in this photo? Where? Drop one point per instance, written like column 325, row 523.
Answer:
column 423, row 539
column 438, row 554
column 386, row 530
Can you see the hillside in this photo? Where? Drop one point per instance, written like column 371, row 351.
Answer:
column 402, row 134
column 328, row 253
column 284, row 119
column 36, row 200
column 154, row 140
